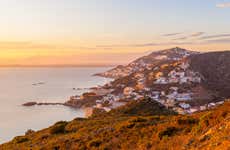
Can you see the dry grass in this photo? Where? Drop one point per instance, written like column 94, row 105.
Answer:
column 204, row 130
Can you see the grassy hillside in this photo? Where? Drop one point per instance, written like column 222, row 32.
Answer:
column 139, row 125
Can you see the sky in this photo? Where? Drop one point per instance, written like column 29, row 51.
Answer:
column 107, row 32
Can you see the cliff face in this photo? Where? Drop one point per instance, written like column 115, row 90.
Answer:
column 128, row 129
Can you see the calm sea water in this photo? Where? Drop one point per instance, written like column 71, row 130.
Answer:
column 16, row 88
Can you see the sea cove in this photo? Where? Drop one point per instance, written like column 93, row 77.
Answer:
column 20, row 85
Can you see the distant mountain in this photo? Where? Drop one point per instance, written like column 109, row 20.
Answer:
column 148, row 62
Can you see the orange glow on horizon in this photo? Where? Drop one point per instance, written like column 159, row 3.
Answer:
column 29, row 53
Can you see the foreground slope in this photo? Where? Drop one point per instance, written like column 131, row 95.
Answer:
column 143, row 124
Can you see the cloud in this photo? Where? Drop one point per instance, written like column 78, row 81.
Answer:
column 225, row 40
column 175, row 43
column 185, row 37
column 28, row 45
column 172, row 34
column 127, row 45
column 145, row 44
column 215, row 36
column 161, row 44
column 112, row 46
column 197, row 34
column 223, row 5
column 181, row 38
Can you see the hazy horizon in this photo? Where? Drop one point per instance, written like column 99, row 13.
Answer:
column 107, row 32
column 90, row 64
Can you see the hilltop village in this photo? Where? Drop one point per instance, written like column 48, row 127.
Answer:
column 164, row 76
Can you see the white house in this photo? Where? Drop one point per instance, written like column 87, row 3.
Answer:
column 203, row 108
column 161, row 80
column 192, row 110
column 128, row 90
column 173, row 95
column 184, row 105
column 183, row 97
column 173, row 80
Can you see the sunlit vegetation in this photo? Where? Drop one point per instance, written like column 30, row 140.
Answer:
column 138, row 125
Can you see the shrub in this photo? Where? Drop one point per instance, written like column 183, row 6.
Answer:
column 56, row 147
column 97, row 112
column 59, row 127
column 203, row 122
column 20, row 139
column 137, row 119
column 28, row 132
column 169, row 131
column 45, row 136
column 95, row 143
column 155, row 118
column 187, row 121
column 128, row 125
column 144, row 107
column 80, row 119
column 125, row 125
column 224, row 114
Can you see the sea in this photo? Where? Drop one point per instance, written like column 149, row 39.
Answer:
column 21, row 85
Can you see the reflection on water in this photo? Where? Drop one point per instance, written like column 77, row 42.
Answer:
column 17, row 86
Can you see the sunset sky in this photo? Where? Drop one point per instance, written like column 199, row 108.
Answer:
column 105, row 32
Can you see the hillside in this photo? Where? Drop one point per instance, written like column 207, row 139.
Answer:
column 183, row 80
column 154, row 59
column 215, row 68
column 129, row 128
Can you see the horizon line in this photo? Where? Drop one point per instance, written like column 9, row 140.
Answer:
column 57, row 66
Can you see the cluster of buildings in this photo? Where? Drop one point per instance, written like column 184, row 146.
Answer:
column 117, row 72
column 184, row 108
column 170, row 96
column 179, row 102
column 172, row 99
column 180, row 74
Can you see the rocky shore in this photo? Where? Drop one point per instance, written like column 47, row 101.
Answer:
column 28, row 104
